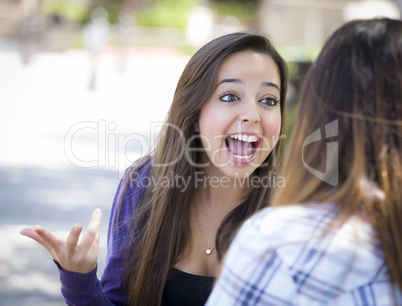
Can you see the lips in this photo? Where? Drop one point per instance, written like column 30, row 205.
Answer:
column 242, row 146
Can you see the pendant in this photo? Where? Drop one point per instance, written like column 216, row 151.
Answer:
column 208, row 251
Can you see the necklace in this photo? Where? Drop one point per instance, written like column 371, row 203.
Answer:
column 208, row 250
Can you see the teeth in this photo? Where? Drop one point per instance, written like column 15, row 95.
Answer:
column 240, row 156
column 246, row 138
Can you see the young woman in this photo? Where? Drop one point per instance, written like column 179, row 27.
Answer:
column 176, row 209
column 334, row 234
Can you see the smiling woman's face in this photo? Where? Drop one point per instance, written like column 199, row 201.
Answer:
column 241, row 122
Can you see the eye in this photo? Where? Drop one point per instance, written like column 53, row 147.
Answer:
column 229, row 97
column 270, row 101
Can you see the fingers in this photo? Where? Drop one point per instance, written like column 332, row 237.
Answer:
column 28, row 232
column 74, row 235
column 71, row 255
column 48, row 238
column 94, row 249
column 32, row 233
column 91, row 233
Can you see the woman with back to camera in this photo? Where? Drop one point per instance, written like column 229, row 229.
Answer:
column 176, row 209
column 333, row 236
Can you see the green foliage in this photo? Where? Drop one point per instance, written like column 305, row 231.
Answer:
column 167, row 13
column 158, row 13
column 74, row 10
column 242, row 10
column 231, row 2
column 291, row 114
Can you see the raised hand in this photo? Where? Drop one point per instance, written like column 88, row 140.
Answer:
column 72, row 256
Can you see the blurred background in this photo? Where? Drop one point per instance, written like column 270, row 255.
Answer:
column 85, row 86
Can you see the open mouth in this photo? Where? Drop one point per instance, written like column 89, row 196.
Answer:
column 242, row 146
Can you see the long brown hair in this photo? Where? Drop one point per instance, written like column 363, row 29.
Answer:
column 353, row 97
column 161, row 221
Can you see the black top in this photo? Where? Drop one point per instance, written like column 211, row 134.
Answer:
column 187, row 289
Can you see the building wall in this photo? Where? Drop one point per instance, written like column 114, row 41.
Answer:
column 303, row 22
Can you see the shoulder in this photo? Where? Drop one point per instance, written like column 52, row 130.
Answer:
column 293, row 222
column 254, row 269
column 286, row 255
column 290, row 246
column 129, row 192
column 275, row 234
column 274, row 230
column 134, row 182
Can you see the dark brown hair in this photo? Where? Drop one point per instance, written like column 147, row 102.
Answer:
column 355, row 85
column 161, row 220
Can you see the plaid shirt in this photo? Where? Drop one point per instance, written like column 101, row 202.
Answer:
column 281, row 257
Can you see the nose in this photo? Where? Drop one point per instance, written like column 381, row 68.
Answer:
column 250, row 112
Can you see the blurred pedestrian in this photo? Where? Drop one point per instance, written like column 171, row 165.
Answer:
column 95, row 37
column 31, row 29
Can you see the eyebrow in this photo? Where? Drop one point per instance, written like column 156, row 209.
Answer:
column 268, row 84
